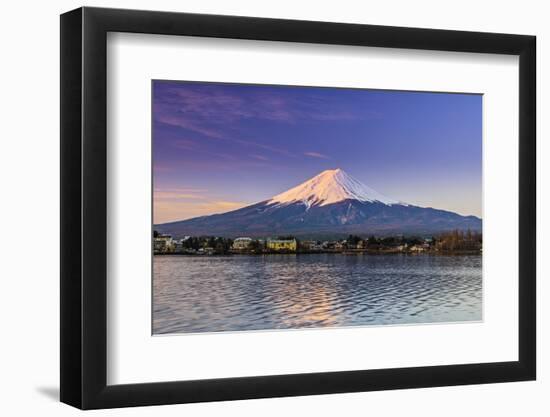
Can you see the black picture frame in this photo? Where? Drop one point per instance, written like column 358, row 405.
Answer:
column 84, row 207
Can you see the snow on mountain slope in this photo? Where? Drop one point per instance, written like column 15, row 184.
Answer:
column 330, row 186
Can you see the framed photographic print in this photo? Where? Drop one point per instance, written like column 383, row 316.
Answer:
column 258, row 207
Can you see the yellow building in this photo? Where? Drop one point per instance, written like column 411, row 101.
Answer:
column 282, row 245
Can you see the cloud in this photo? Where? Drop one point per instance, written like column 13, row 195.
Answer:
column 160, row 168
column 178, row 194
column 167, row 211
column 259, row 157
column 213, row 110
column 166, row 195
column 183, row 122
column 233, row 112
column 316, row 155
column 184, row 144
column 171, row 204
column 223, row 205
column 274, row 149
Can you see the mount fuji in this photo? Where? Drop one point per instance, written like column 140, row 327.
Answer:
column 331, row 204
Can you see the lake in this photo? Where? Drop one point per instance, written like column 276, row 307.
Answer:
column 236, row 293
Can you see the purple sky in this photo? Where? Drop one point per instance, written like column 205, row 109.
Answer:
column 218, row 147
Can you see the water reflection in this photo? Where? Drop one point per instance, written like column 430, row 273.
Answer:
column 210, row 294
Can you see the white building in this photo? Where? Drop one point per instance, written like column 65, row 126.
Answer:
column 163, row 244
column 241, row 243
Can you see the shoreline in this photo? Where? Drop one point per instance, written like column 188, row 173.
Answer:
column 345, row 253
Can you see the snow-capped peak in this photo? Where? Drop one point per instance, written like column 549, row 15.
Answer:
column 330, row 186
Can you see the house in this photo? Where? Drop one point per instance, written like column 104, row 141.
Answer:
column 209, row 250
column 163, row 244
column 178, row 246
column 417, row 248
column 327, row 245
column 241, row 243
column 340, row 245
column 311, row 245
column 282, row 245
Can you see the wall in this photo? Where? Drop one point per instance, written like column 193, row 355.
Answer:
column 29, row 174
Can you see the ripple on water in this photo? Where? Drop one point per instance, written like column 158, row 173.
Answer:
column 234, row 293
